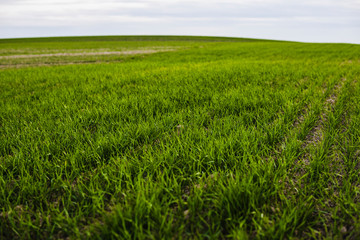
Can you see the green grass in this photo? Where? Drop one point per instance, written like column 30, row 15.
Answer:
column 217, row 138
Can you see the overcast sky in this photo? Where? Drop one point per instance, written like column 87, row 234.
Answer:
column 305, row 20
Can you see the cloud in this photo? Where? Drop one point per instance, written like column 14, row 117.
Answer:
column 207, row 16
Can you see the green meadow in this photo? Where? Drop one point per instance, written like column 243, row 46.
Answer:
column 163, row 137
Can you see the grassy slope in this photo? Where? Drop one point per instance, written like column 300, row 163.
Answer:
column 212, row 140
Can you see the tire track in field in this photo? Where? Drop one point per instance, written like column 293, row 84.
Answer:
column 313, row 141
column 296, row 126
column 297, row 121
column 337, row 166
column 316, row 134
column 313, row 137
column 331, row 205
column 296, row 164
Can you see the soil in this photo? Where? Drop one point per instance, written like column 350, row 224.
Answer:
column 132, row 52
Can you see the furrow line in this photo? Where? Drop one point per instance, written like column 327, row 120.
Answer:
column 300, row 156
column 344, row 170
column 316, row 134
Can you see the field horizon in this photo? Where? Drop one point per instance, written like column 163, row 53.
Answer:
column 157, row 38
column 137, row 37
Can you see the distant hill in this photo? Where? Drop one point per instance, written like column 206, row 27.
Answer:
column 133, row 38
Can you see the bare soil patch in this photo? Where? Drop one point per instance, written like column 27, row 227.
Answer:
column 132, row 52
column 22, row 65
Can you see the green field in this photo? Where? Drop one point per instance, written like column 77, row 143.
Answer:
column 140, row 137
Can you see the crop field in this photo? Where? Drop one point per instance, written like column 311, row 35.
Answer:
column 140, row 137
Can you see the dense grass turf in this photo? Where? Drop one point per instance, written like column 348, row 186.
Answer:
column 209, row 138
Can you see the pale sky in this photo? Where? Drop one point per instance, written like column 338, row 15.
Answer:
column 305, row 20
